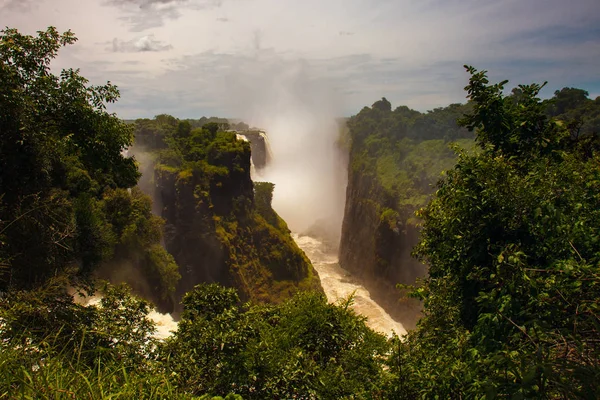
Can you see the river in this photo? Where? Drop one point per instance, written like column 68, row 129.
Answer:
column 339, row 284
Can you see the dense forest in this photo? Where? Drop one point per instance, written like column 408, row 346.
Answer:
column 482, row 227
column 65, row 204
column 508, row 234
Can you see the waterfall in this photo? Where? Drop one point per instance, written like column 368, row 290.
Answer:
column 239, row 136
column 294, row 170
column 267, row 146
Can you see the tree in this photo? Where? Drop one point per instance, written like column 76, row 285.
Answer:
column 567, row 99
column 382, row 105
column 302, row 348
column 61, row 156
column 577, row 112
column 512, row 295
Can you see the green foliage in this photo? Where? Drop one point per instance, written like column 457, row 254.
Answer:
column 53, row 348
column 396, row 157
column 512, row 295
column 303, row 348
column 404, row 152
column 50, row 376
column 47, row 319
column 63, row 177
column 137, row 240
column 263, row 196
column 510, row 237
column 579, row 114
column 208, row 301
column 156, row 134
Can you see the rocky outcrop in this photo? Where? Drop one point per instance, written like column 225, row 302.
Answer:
column 375, row 245
column 259, row 146
column 214, row 229
column 216, row 235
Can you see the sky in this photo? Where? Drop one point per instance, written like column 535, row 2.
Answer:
column 193, row 58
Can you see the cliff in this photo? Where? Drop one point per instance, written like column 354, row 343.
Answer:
column 218, row 227
column 396, row 157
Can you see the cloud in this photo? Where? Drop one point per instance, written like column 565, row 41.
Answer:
column 16, row 5
column 19, row 6
column 411, row 52
column 141, row 44
column 141, row 15
column 144, row 4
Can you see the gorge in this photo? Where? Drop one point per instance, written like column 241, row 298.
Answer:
column 508, row 233
column 277, row 263
column 310, row 198
column 342, row 190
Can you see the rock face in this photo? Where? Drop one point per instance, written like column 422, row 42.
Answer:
column 219, row 226
column 376, row 247
column 373, row 246
column 396, row 157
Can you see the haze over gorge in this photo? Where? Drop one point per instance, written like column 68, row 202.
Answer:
column 309, row 150
column 302, row 147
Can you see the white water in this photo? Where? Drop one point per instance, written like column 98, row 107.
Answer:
column 339, row 284
column 165, row 324
column 267, row 147
column 252, row 169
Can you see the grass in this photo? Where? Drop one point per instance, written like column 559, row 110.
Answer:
column 30, row 374
column 27, row 373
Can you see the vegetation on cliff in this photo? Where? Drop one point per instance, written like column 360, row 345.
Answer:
column 396, row 157
column 220, row 225
column 511, row 240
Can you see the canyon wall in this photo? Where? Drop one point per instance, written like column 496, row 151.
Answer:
column 396, row 157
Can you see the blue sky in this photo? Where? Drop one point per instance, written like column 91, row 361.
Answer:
column 240, row 57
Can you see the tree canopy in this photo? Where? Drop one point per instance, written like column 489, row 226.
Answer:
column 511, row 240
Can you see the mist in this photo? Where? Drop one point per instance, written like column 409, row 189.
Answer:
column 298, row 113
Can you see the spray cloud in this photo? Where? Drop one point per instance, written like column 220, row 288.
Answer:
column 299, row 113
